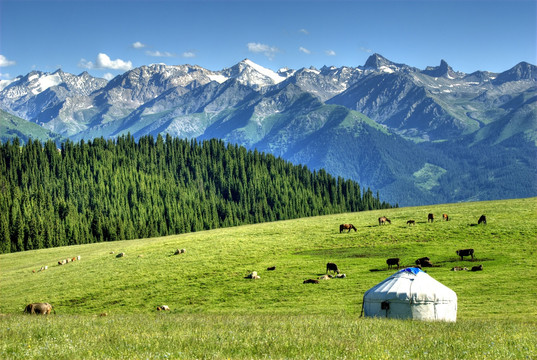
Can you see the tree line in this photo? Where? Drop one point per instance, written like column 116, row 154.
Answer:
column 107, row 190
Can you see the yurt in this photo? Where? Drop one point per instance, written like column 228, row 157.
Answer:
column 411, row 294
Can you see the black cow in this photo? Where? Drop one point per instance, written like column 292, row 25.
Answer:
column 331, row 267
column 392, row 261
column 430, row 217
column 311, row 281
column 424, row 262
column 465, row 252
column 477, row 268
column 482, row 220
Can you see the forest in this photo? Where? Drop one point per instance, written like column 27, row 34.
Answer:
column 121, row 189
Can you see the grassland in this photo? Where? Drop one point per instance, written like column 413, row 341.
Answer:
column 216, row 313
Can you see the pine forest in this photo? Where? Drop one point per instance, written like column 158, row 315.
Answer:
column 107, row 190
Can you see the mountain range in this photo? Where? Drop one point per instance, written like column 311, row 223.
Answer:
column 416, row 136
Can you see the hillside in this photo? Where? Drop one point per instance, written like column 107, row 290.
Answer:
column 383, row 124
column 209, row 277
column 106, row 306
column 101, row 190
column 12, row 127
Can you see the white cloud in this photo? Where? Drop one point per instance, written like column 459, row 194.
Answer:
column 5, row 62
column 304, row 50
column 366, row 50
column 85, row 64
column 103, row 61
column 108, row 76
column 304, row 31
column 138, row 45
column 268, row 51
column 189, row 54
column 330, row 52
column 5, row 76
column 157, row 53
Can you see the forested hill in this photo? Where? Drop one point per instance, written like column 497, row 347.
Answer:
column 106, row 190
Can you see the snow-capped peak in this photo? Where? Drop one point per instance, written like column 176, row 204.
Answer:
column 252, row 74
column 266, row 72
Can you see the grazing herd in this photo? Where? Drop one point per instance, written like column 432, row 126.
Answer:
column 46, row 308
column 383, row 220
column 424, row 261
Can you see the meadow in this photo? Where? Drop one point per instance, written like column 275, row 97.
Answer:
column 216, row 313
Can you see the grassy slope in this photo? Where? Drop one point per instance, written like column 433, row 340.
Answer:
column 216, row 313
column 12, row 127
column 209, row 277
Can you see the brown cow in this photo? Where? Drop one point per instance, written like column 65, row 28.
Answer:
column 348, row 227
column 38, row 308
column 430, row 217
column 311, row 281
column 383, row 220
column 392, row 261
column 445, row 217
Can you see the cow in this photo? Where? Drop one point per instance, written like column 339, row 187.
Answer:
column 411, row 222
column 424, row 262
column 482, row 220
column 310, row 281
column 392, row 261
column 348, row 227
column 325, row 277
column 459, row 268
column 341, row 276
column 430, row 217
column 477, row 268
column 331, row 267
column 271, row 268
column 163, row 308
column 253, row 275
column 383, row 220
column 445, row 217
column 120, row 255
column 38, row 308
column 465, row 252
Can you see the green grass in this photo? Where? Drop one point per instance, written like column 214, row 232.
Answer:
column 216, row 313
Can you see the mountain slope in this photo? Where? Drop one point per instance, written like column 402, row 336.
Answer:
column 299, row 115
column 12, row 127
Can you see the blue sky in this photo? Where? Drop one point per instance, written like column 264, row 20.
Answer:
column 107, row 38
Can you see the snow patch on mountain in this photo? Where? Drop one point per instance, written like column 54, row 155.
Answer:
column 267, row 72
column 45, row 82
column 219, row 78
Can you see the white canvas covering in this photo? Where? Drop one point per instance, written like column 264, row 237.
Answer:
column 411, row 294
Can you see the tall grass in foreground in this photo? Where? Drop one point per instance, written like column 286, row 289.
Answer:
column 204, row 336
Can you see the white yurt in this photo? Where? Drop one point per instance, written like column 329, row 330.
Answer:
column 411, row 294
